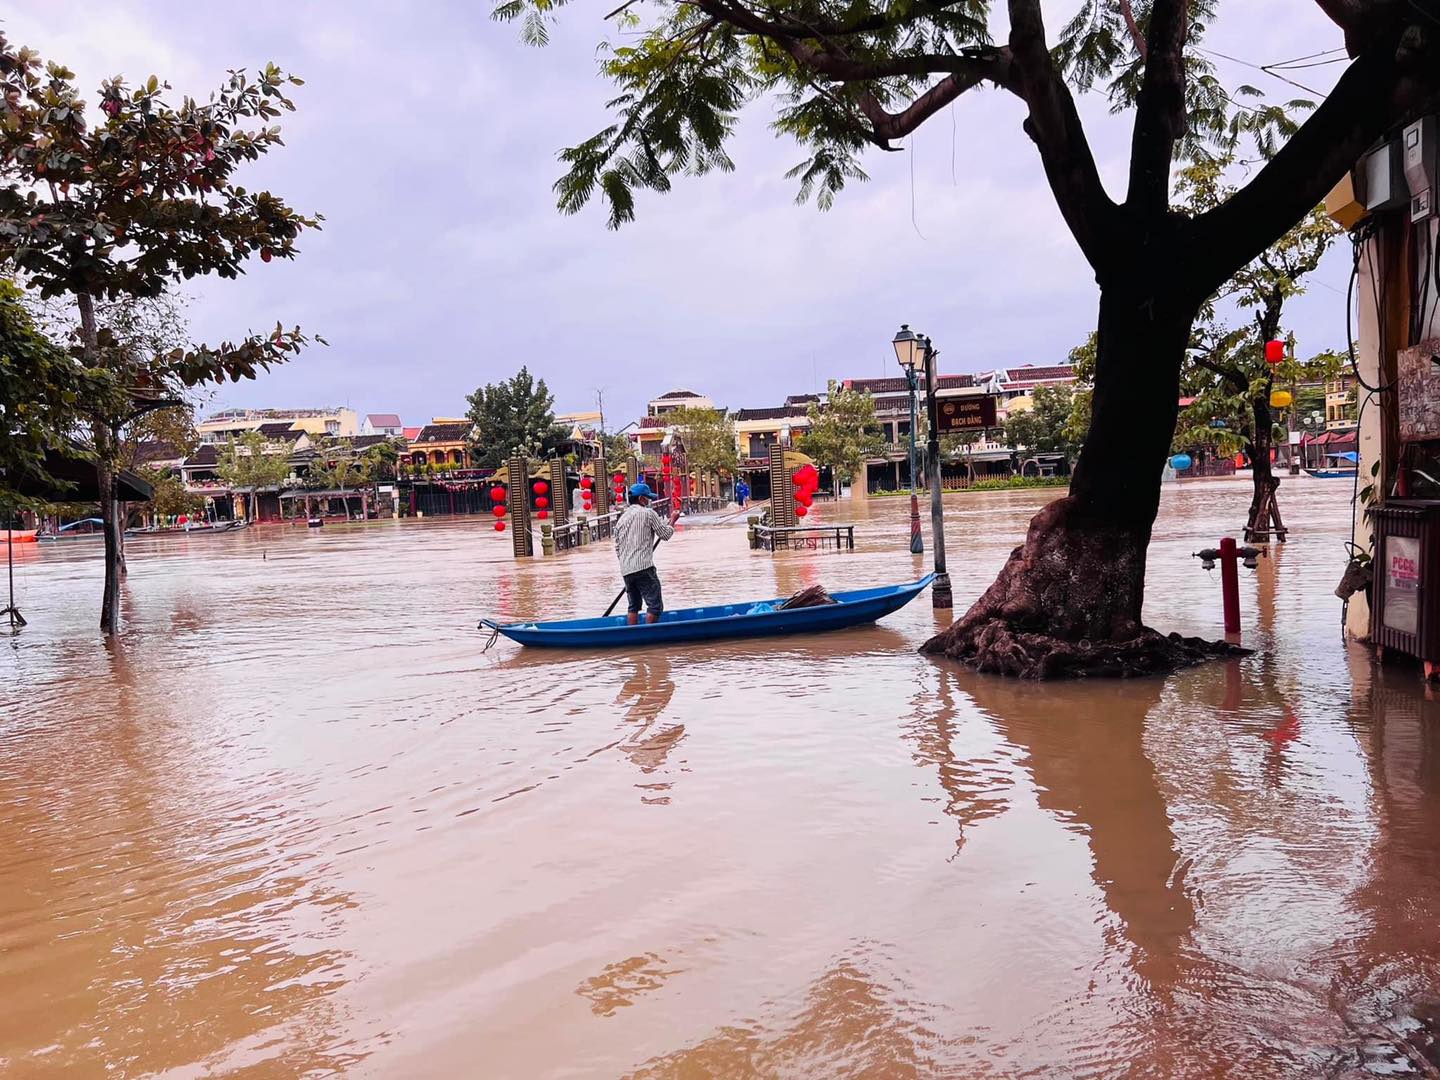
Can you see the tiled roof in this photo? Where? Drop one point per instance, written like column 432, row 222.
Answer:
column 364, row 442
column 383, row 419
column 457, row 432
column 1029, row 373
column 898, row 385
column 280, row 429
column 768, row 414
column 206, row 455
column 147, row 453
column 677, row 394
column 801, row 399
column 412, row 433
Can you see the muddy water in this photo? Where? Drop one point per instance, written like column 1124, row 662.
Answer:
column 295, row 822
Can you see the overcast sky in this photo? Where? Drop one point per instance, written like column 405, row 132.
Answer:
column 427, row 136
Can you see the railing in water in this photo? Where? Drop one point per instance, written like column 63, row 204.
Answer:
column 811, row 537
column 584, row 529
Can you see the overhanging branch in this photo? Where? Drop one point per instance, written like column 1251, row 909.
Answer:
column 1160, row 107
column 1395, row 78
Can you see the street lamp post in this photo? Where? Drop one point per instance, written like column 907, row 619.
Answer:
column 941, row 596
column 908, row 353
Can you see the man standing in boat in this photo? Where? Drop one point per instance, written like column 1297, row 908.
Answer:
column 637, row 534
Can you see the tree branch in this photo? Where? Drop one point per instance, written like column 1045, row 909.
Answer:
column 1134, row 27
column 1160, row 107
column 1231, row 375
column 1055, row 128
column 1394, row 79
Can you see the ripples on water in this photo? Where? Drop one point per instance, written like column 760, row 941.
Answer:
column 295, row 823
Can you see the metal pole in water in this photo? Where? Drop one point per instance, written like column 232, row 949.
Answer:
column 1230, row 584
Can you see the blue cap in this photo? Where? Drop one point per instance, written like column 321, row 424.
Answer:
column 641, row 491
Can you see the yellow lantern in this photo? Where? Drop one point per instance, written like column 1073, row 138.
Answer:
column 1280, row 399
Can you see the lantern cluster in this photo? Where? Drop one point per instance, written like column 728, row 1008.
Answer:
column 665, row 463
column 807, row 481
column 542, row 499
column 619, row 488
column 587, row 493
column 497, row 496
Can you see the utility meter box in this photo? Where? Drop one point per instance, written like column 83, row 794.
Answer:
column 1382, row 178
column 1418, row 147
column 1406, row 588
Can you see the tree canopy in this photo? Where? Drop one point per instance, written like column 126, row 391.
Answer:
column 1045, row 426
column 516, row 415
column 843, row 432
column 708, row 436
column 251, row 464
column 44, row 393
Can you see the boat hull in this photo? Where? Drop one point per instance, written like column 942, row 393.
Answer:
column 1332, row 474
column 717, row 623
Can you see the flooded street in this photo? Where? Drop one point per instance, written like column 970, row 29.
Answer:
column 296, row 822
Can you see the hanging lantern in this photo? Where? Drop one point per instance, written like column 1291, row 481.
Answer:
column 1181, row 462
column 541, row 487
column 587, row 482
column 182, row 520
column 542, row 514
column 541, row 502
column 498, row 511
column 665, row 460
column 1280, row 399
column 497, row 493
column 801, row 510
column 1274, row 351
column 499, row 526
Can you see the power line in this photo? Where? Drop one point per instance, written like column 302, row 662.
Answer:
column 1261, row 68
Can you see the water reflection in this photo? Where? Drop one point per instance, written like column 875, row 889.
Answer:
column 1090, row 769
column 645, row 694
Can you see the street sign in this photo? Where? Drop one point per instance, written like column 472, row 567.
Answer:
column 965, row 414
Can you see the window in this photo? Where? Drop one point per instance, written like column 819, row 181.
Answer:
column 332, row 427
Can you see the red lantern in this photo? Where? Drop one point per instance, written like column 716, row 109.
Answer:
column 541, row 487
column 181, row 520
column 499, row 526
column 541, row 502
column 665, row 460
column 619, row 478
column 801, row 511
column 542, row 514
column 587, row 505
column 498, row 511
column 586, row 482
column 1274, row 351
column 497, row 493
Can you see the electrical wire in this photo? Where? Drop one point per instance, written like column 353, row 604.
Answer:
column 1358, row 238
column 1261, row 68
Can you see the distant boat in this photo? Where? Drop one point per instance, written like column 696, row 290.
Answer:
column 19, row 536
column 1342, row 467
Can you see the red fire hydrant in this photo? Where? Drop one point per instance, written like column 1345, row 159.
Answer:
column 1228, row 554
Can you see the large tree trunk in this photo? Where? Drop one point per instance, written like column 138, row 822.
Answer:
column 105, row 476
column 1262, row 472
column 1069, row 600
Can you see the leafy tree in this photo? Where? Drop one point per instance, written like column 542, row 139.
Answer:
column 1045, row 427
column 845, row 75
column 126, row 207
column 708, row 436
column 1226, row 372
column 170, row 498
column 251, row 465
column 43, row 391
column 338, row 466
column 843, row 432
column 513, row 416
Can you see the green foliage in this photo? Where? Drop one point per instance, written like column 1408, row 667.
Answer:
column 140, row 199
column 843, row 432
column 708, row 436
column 846, row 75
column 250, row 464
column 170, row 496
column 1045, row 427
column 515, row 416
column 1225, row 371
column 337, row 466
column 43, row 395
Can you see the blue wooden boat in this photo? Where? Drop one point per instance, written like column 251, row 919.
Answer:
column 716, row 623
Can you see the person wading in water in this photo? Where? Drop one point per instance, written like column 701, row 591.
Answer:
column 637, row 533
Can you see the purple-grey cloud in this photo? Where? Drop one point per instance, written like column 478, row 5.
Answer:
column 427, row 136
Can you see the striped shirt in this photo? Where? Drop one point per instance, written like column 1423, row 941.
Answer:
column 635, row 535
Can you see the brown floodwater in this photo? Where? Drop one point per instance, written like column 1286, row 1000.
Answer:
column 295, row 822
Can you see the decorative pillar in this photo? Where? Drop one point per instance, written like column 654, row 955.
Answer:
column 559, row 494
column 517, row 505
column 602, row 487
column 782, row 490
